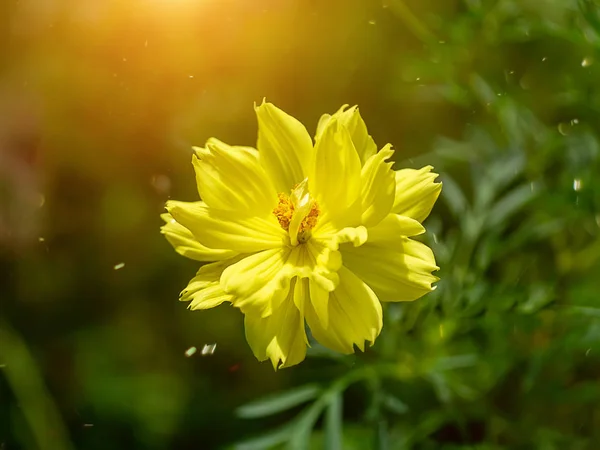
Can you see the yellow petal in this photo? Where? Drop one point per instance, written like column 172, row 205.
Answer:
column 225, row 229
column 332, row 238
column 319, row 299
column 397, row 270
column 323, row 121
column 354, row 315
column 316, row 261
column 258, row 281
column 187, row 245
column 416, row 192
column 232, row 179
column 353, row 122
column 204, row 290
column 279, row 337
column 378, row 187
column 284, row 145
column 335, row 176
column 392, row 227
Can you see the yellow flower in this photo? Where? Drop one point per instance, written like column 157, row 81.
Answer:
column 302, row 233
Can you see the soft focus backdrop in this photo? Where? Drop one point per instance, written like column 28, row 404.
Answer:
column 100, row 102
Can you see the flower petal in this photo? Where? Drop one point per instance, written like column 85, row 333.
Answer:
column 284, row 145
column 280, row 336
column 225, row 229
column 354, row 315
column 204, row 290
column 332, row 238
column 231, row 178
column 378, row 187
column 187, row 245
column 258, row 281
column 353, row 122
column 397, row 270
column 416, row 192
column 316, row 261
column 335, row 176
column 319, row 299
column 392, row 227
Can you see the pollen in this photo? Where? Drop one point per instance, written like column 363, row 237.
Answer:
column 310, row 220
column 284, row 212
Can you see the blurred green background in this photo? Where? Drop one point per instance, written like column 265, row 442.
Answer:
column 100, row 102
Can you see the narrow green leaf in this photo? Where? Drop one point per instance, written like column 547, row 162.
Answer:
column 539, row 296
column 510, row 204
column 333, row 423
column 588, row 311
column 394, row 404
column 482, row 89
column 456, row 362
column 382, row 440
column 497, row 176
column 453, row 196
column 267, row 440
column 304, row 424
column 277, row 403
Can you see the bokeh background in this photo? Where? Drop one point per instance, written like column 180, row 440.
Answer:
column 100, row 102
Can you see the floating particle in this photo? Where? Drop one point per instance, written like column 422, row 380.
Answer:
column 563, row 128
column 119, row 266
column 587, row 62
column 41, row 239
column 161, row 183
column 577, row 184
column 209, row 349
column 190, row 351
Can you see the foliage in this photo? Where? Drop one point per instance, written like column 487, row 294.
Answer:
column 500, row 356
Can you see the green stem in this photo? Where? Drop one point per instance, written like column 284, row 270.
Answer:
column 28, row 387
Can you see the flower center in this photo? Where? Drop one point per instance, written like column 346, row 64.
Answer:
column 297, row 213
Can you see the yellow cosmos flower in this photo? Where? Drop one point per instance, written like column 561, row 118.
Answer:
column 305, row 234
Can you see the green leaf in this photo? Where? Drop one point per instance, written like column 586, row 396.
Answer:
column 453, row 196
column 455, row 362
column 267, row 440
column 498, row 175
column 394, row 404
column 277, row 403
column 510, row 204
column 539, row 296
column 334, row 422
column 304, row 424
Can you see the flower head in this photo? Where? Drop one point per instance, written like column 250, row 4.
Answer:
column 300, row 233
